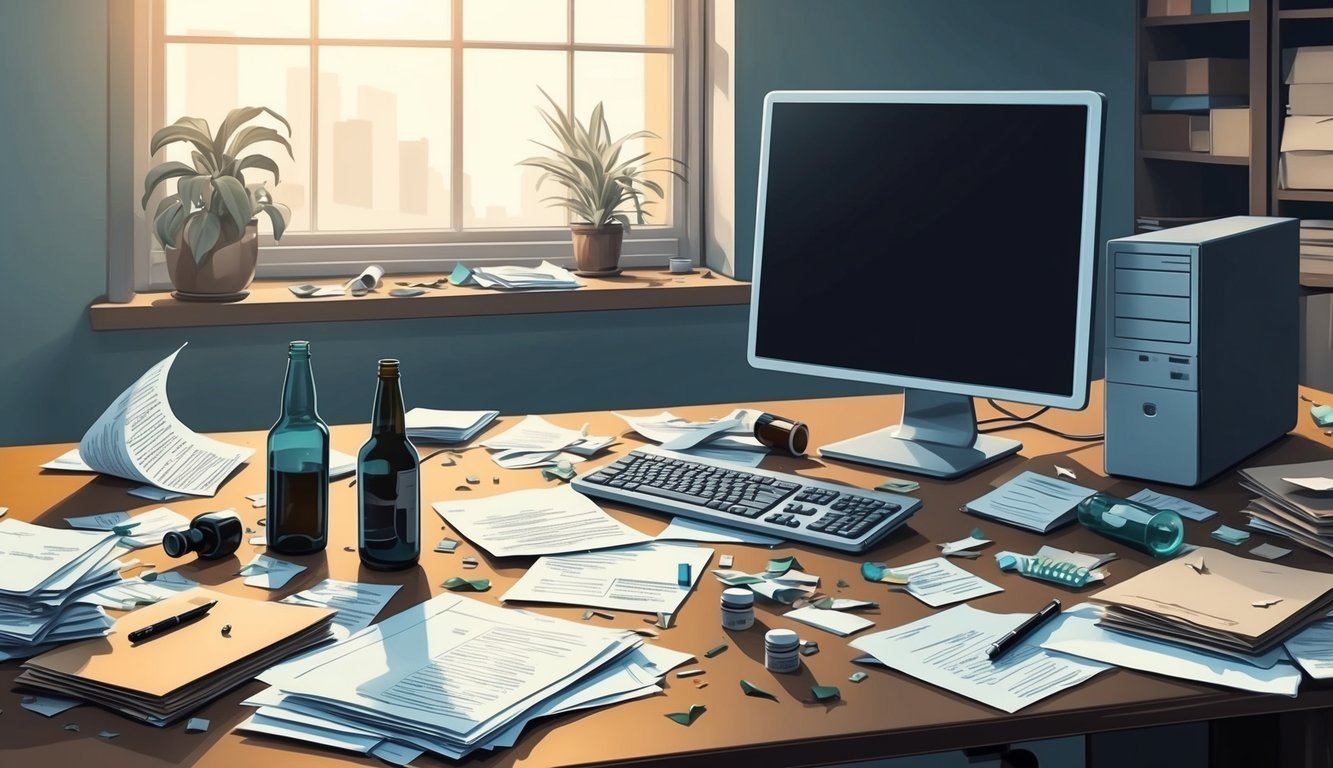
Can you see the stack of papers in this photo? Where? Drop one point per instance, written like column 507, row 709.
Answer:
column 1217, row 602
column 45, row 573
column 1296, row 502
column 161, row 680
column 432, row 426
column 730, row 438
column 544, row 521
column 536, row 442
column 546, row 277
column 452, row 676
column 142, row 530
column 1032, row 501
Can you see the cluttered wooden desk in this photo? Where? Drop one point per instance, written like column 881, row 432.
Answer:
column 887, row 714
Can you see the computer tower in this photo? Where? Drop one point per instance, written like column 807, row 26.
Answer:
column 1202, row 351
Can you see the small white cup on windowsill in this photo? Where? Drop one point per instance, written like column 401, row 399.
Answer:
column 681, row 265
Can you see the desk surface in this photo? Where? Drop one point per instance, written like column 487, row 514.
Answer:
column 888, row 714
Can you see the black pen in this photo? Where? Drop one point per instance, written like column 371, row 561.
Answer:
column 1005, row 644
column 174, row 621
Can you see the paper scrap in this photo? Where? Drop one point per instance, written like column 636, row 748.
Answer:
column 258, row 500
column 49, row 706
column 107, row 734
column 895, row 485
column 477, row 585
column 839, row 623
column 700, row 684
column 153, row 493
column 588, row 614
column 882, row 573
column 938, row 582
column 269, row 572
column 724, row 561
column 751, row 689
column 3, row 510
column 1322, row 415
column 447, row 546
column 825, row 692
column 1197, row 564
column 689, row 529
column 538, row 521
column 857, row 676
column 1230, row 535
column 842, row 604
column 688, row 718
column 663, row 620
column 689, row 672
column 1270, row 552
column 72, row 727
column 562, row 470
column 394, row 753
column 783, row 564
column 715, row 650
column 966, row 547
column 1063, row 472
column 259, row 541
column 1320, row 484
column 1186, row 509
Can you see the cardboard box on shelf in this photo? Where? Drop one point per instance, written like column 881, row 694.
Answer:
column 1175, row 133
column 1310, row 64
column 1169, row 8
column 1229, row 130
column 1307, row 153
column 1310, row 99
column 1199, row 77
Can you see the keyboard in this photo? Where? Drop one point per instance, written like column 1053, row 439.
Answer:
column 771, row 503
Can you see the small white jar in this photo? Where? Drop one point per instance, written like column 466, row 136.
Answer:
column 737, row 608
column 782, row 651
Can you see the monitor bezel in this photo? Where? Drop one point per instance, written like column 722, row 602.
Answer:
column 1079, row 383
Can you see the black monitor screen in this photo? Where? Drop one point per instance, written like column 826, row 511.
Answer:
column 933, row 241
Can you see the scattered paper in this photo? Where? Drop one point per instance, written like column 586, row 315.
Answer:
column 310, row 291
column 142, row 590
column 197, row 725
column 948, row 649
column 640, row 578
column 1032, row 501
column 369, row 279
column 269, row 572
column 394, row 753
column 49, row 706
column 535, row 442
column 751, row 689
column 139, row 438
column 781, row 565
column 879, row 572
column 688, row 718
column 894, row 485
column 1230, row 535
column 966, row 547
column 430, row 425
column 3, row 510
column 143, row 530
column 259, row 541
column 153, row 493
column 839, row 623
column 446, row 546
column 825, row 692
column 1312, row 648
column 1063, row 472
column 1186, row 509
column 544, row 277
column 1270, row 552
column 543, row 521
column 1320, row 484
column 258, row 500
column 107, row 734
column 357, row 604
column 735, row 443
column 938, row 582
column 689, row 529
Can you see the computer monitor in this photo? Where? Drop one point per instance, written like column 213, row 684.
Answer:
column 939, row 241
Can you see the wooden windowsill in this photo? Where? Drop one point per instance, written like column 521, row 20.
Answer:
column 270, row 301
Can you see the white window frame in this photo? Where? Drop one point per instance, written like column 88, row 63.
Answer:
column 325, row 254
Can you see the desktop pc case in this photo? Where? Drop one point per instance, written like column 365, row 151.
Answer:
column 1202, row 350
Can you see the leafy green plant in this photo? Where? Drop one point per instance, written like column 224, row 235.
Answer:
column 587, row 164
column 212, row 202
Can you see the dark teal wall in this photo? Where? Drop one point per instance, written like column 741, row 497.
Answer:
column 56, row 375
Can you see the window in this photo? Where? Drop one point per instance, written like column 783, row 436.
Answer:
column 408, row 118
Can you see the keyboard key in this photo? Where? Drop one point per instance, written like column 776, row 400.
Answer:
column 674, row 495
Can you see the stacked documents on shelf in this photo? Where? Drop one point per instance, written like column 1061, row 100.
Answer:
column 432, row 426
column 454, row 675
column 546, row 277
column 164, row 678
column 536, row 442
column 730, row 438
column 1317, row 238
column 1217, row 602
column 43, row 573
column 1296, row 502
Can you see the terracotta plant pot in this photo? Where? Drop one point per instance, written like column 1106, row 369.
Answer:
column 224, row 275
column 597, row 249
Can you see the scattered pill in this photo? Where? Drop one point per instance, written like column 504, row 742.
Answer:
column 226, row 630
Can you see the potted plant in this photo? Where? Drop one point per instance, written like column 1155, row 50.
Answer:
column 600, row 187
column 208, row 226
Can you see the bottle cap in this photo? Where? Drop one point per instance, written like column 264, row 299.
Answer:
column 175, row 544
column 737, row 596
column 781, row 638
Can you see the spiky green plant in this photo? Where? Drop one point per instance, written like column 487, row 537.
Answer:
column 212, row 202
column 587, row 164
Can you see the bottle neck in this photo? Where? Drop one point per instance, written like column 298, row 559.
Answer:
column 388, row 416
column 298, row 393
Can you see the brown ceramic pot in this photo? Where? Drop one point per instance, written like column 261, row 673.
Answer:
column 224, row 275
column 597, row 249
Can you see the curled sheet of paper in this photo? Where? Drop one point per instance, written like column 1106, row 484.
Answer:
column 1063, row 472
column 367, row 281
column 966, row 547
column 269, row 572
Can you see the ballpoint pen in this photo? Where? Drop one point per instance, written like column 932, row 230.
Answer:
column 1018, row 634
column 174, row 621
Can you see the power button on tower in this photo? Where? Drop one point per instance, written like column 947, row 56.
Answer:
column 1149, row 409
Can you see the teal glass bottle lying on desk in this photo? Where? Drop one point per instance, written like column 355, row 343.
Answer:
column 297, row 515
column 387, row 482
column 1159, row 532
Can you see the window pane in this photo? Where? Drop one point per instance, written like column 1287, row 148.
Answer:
column 523, row 21
column 635, row 89
column 241, row 18
column 500, row 121
column 627, row 22
column 384, row 137
column 208, row 80
column 385, row 19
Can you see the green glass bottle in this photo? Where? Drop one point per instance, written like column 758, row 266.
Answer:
column 387, row 482
column 297, row 515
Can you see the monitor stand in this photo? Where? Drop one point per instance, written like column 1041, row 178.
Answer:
column 937, row 437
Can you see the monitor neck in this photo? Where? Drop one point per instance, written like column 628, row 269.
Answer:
column 938, row 417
